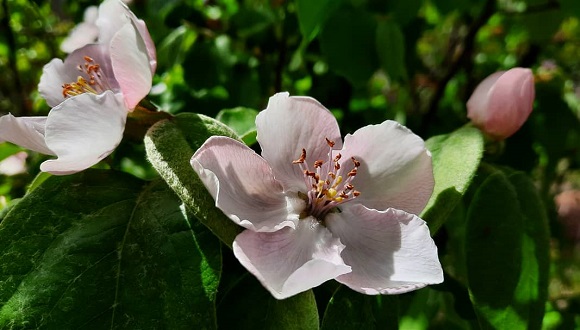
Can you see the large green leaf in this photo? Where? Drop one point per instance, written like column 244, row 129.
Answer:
column 170, row 145
column 507, row 253
column 348, row 309
column 249, row 306
column 390, row 45
column 313, row 14
column 456, row 157
column 347, row 41
column 104, row 250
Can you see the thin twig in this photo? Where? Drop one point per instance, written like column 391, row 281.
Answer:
column 464, row 51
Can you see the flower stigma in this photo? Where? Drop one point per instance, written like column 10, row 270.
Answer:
column 326, row 187
column 93, row 81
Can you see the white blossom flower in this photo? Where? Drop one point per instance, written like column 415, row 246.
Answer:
column 90, row 93
column 315, row 209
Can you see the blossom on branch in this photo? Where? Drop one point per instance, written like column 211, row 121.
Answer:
column 90, row 93
column 316, row 209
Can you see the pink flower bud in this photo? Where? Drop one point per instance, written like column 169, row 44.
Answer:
column 502, row 102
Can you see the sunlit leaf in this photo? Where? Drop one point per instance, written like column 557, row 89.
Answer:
column 170, row 144
column 456, row 157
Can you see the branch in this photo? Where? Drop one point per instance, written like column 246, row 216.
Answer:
column 464, row 51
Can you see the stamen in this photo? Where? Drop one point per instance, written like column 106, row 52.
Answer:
column 90, row 82
column 330, row 142
column 302, row 157
column 326, row 188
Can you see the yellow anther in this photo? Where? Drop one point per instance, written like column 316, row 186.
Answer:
column 331, row 193
column 338, row 199
column 337, row 181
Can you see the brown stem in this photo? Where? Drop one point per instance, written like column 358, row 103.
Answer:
column 464, row 51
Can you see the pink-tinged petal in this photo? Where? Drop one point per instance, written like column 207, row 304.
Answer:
column 131, row 65
column 479, row 99
column 243, row 186
column 290, row 124
column 291, row 261
column 113, row 15
column 57, row 73
column 502, row 102
column 389, row 251
column 84, row 33
column 83, row 130
column 27, row 132
column 395, row 171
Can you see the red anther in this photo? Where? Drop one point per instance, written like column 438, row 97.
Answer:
column 88, row 59
column 318, row 163
column 337, row 158
column 343, row 195
column 332, row 175
column 356, row 193
column 352, row 172
column 349, row 186
column 329, row 142
column 301, row 159
column 336, row 166
column 356, row 162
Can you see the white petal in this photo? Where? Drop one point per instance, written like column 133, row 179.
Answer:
column 291, row 261
column 113, row 15
column 27, row 132
column 290, row 124
column 57, row 73
column 389, row 251
column 83, row 130
column 131, row 64
column 396, row 169
column 243, row 186
column 81, row 35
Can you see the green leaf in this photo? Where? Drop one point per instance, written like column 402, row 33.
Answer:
column 571, row 7
column 456, row 157
column 170, row 145
column 348, row 309
column 313, row 14
column 541, row 25
column 104, row 250
column 347, row 40
column 249, row 306
column 390, row 45
column 242, row 121
column 8, row 149
column 404, row 11
column 507, row 246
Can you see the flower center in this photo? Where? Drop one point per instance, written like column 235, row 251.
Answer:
column 326, row 187
column 92, row 82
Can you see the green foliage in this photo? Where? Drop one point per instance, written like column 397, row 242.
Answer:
column 349, row 309
column 102, row 249
column 507, row 251
column 456, row 157
column 170, row 145
column 113, row 252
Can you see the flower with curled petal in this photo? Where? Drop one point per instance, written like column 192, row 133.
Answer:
column 316, row 209
column 90, row 93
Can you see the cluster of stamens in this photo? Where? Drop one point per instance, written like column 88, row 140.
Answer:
column 92, row 83
column 327, row 189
